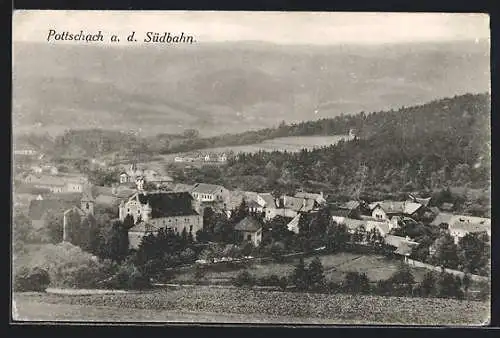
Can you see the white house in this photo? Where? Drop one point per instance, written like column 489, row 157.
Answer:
column 209, row 192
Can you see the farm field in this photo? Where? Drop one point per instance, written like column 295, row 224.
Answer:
column 290, row 144
column 335, row 266
column 205, row 304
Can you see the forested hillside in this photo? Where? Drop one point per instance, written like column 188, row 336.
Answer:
column 443, row 143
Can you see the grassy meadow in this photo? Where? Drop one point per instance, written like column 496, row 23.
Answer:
column 335, row 267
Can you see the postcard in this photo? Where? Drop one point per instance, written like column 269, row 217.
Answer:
column 210, row 167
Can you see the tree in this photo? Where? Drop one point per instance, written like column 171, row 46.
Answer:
column 115, row 244
column 316, row 278
column 128, row 221
column 359, row 235
column 337, row 237
column 54, row 225
column 21, row 228
column 355, row 282
column 466, row 282
column 402, row 281
column 473, row 252
column 428, row 285
column 299, row 277
column 446, row 252
column 449, row 286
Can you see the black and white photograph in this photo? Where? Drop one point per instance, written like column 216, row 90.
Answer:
column 278, row 168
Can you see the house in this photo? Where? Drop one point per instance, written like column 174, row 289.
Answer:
column 354, row 224
column 249, row 229
column 384, row 210
column 319, row 199
column 28, row 151
column 172, row 210
column 424, row 201
column 446, row 207
column 222, row 157
column 124, row 177
column 461, row 225
column 179, row 159
column 383, row 227
column 286, row 206
column 180, row 187
column 152, row 176
column 86, row 209
column 209, row 192
column 340, row 215
column 403, row 246
column 266, row 200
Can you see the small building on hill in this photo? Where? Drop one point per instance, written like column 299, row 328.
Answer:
column 249, row 229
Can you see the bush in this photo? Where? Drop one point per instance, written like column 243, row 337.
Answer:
column 272, row 280
column 69, row 266
column 31, row 279
column 244, row 278
column 283, row 284
column 129, row 277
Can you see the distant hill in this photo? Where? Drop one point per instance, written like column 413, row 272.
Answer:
column 230, row 87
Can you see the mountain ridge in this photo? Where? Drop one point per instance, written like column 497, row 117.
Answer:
column 230, row 86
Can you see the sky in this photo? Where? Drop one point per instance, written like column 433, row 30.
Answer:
column 321, row 28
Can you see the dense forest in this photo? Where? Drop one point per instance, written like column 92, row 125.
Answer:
column 445, row 143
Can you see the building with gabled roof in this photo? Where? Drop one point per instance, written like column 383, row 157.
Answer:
column 318, row 198
column 249, row 229
column 171, row 210
column 384, row 210
column 403, row 246
column 204, row 192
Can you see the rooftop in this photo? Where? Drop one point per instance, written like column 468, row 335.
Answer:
column 407, row 208
column 249, row 224
column 168, row 204
column 204, row 188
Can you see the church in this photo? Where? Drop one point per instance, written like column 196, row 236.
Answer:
column 86, row 209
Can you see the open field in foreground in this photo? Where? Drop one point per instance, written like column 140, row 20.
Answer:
column 205, row 304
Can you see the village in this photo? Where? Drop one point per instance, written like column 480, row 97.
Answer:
column 153, row 201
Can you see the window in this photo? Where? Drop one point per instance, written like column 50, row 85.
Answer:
column 87, row 206
column 128, row 210
column 249, row 237
column 190, row 228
